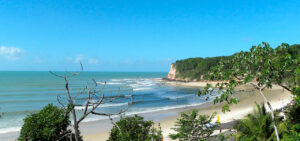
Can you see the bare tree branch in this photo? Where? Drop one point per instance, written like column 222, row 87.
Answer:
column 92, row 100
column 58, row 99
column 286, row 87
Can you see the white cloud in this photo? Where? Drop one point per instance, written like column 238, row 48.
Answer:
column 79, row 58
column 93, row 61
column 11, row 53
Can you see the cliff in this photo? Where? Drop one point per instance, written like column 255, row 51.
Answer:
column 172, row 72
column 192, row 69
column 173, row 75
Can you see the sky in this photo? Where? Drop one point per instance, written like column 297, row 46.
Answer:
column 137, row 35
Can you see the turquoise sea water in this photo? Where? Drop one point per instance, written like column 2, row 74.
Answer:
column 23, row 93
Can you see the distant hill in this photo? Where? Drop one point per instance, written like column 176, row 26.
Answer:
column 196, row 69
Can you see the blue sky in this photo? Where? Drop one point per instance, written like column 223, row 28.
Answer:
column 142, row 35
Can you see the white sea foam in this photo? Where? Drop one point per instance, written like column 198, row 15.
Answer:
column 102, row 105
column 144, row 110
column 142, row 89
column 109, row 83
column 113, row 104
column 9, row 129
column 143, row 84
column 82, row 107
column 149, row 110
column 138, row 84
column 176, row 96
column 115, row 79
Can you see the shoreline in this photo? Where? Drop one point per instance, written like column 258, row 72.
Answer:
column 99, row 129
column 187, row 83
column 277, row 96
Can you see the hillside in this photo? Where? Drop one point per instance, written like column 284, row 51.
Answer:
column 196, row 69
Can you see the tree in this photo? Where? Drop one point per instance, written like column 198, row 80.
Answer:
column 262, row 67
column 257, row 126
column 193, row 68
column 193, row 127
column 50, row 124
column 93, row 97
column 223, row 137
column 134, row 129
column 290, row 128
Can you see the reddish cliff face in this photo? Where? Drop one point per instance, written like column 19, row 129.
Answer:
column 172, row 72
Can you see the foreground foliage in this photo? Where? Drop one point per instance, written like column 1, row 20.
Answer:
column 50, row 124
column 134, row 129
column 290, row 129
column 262, row 67
column 193, row 127
column 257, row 126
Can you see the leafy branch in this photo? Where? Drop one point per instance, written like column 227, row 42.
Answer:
column 262, row 67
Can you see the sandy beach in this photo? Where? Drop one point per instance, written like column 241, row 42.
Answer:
column 278, row 97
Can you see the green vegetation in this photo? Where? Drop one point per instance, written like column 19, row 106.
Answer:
column 257, row 126
column 49, row 124
column 223, row 137
column 193, row 68
column 294, row 50
column 193, row 127
column 262, row 67
column 135, row 129
column 290, row 128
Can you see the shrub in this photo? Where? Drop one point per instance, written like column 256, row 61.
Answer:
column 256, row 126
column 291, row 127
column 134, row 129
column 224, row 137
column 193, row 127
column 48, row 125
column 293, row 113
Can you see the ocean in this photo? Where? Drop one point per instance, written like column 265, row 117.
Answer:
column 23, row 93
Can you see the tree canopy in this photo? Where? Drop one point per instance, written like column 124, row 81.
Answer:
column 193, row 68
column 50, row 124
column 135, row 129
column 193, row 127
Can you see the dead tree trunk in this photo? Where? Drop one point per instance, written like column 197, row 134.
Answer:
column 76, row 127
column 272, row 114
column 95, row 97
column 270, row 106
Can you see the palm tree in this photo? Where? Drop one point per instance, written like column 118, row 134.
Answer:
column 257, row 126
